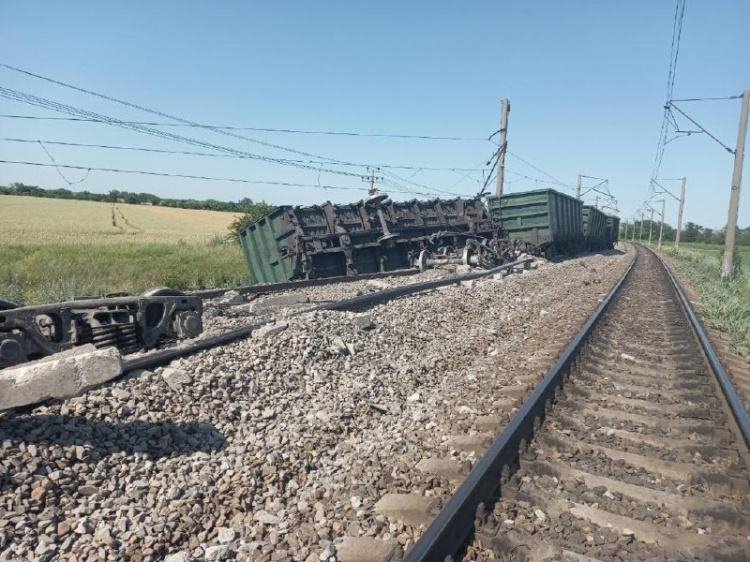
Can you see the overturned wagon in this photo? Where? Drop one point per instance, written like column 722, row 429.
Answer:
column 371, row 236
column 613, row 230
column 595, row 233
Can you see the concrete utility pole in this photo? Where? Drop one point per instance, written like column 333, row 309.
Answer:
column 679, row 216
column 661, row 227
column 734, row 199
column 640, row 232
column 578, row 190
column 650, row 226
column 632, row 239
column 503, row 145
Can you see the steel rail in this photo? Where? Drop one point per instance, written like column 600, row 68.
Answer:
column 301, row 284
column 355, row 303
column 445, row 535
column 730, row 394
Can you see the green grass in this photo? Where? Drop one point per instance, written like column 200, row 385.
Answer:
column 52, row 249
column 725, row 305
column 37, row 273
column 713, row 249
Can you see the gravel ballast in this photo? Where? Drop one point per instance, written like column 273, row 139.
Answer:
column 278, row 446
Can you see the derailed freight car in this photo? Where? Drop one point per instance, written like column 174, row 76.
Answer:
column 613, row 230
column 545, row 217
column 371, row 236
column 378, row 235
column 594, row 223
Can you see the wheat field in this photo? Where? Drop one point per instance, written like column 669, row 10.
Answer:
column 34, row 220
column 51, row 249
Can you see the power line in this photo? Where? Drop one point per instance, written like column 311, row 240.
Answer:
column 54, row 162
column 416, row 184
column 671, row 74
column 532, row 178
column 466, row 174
column 694, row 122
column 162, row 114
column 178, row 119
column 63, row 108
column 258, row 129
column 172, row 175
column 555, row 180
column 711, row 99
column 190, row 176
column 174, row 118
column 214, row 155
column 491, row 175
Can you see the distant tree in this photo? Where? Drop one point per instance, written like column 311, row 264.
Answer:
column 28, row 190
column 707, row 236
column 668, row 234
column 691, row 232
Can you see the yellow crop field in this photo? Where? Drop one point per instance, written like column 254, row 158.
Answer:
column 52, row 249
column 33, row 220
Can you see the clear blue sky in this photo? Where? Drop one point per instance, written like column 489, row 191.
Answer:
column 586, row 81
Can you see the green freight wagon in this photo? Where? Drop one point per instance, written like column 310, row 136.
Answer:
column 613, row 230
column 544, row 217
column 594, row 229
column 372, row 236
column 268, row 254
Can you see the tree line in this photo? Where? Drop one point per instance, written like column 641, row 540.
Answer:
column 252, row 211
column 245, row 205
column 691, row 233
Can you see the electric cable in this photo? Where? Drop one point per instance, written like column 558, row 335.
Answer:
column 694, row 122
column 191, row 176
column 711, row 99
column 214, row 155
column 258, row 129
column 63, row 108
column 555, row 180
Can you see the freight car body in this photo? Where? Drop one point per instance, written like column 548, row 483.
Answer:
column 594, row 224
column 613, row 230
column 546, row 218
column 372, row 236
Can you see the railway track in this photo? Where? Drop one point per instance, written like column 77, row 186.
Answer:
column 281, row 447
column 355, row 303
column 735, row 366
column 268, row 288
column 643, row 455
